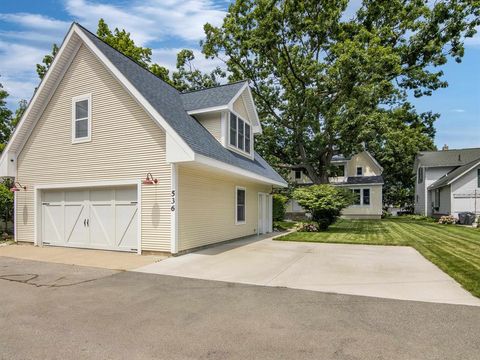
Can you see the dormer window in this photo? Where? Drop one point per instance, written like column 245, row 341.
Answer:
column 240, row 134
column 359, row 171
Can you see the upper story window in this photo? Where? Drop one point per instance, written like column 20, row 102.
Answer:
column 240, row 134
column 359, row 171
column 81, row 118
column 478, row 178
column 298, row 174
column 420, row 175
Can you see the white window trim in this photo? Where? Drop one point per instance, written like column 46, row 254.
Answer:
column 361, row 197
column 234, row 148
column 76, row 99
column 236, row 205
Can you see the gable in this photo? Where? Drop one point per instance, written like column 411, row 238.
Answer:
column 240, row 108
column 364, row 160
column 186, row 138
column 125, row 140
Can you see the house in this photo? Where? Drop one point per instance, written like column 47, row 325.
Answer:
column 447, row 182
column 361, row 173
column 108, row 156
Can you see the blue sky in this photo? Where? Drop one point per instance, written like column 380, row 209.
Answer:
column 29, row 27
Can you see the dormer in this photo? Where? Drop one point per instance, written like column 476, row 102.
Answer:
column 228, row 112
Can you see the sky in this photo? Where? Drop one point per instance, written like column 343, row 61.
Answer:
column 28, row 28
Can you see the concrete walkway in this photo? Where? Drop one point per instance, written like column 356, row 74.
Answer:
column 380, row 271
column 113, row 260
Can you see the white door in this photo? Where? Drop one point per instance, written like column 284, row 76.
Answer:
column 103, row 218
column 261, row 211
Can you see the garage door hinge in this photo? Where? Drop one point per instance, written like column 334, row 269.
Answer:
column 133, row 202
column 45, row 203
column 45, row 243
column 133, row 249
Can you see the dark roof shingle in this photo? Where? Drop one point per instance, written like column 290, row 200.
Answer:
column 445, row 179
column 454, row 157
column 167, row 101
column 360, row 180
column 211, row 97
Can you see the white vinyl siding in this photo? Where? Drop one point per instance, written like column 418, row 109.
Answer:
column 206, row 206
column 126, row 144
column 364, row 210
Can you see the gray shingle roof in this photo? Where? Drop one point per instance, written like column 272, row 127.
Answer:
column 454, row 157
column 167, row 101
column 360, row 180
column 210, row 97
column 445, row 179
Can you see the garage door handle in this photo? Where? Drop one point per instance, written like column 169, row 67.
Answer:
column 84, row 222
column 88, row 222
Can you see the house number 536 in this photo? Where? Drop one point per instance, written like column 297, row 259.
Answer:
column 173, row 201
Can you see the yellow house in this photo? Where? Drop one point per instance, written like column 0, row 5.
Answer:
column 361, row 173
column 108, row 156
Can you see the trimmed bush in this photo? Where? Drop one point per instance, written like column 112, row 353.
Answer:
column 324, row 202
column 279, row 207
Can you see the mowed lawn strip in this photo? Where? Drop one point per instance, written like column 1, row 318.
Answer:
column 454, row 249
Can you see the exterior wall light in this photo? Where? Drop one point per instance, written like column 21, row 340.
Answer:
column 14, row 188
column 149, row 180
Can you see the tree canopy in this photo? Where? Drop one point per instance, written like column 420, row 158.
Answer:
column 186, row 76
column 327, row 82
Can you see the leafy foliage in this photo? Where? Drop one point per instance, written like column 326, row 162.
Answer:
column 6, row 202
column 46, row 62
column 5, row 119
column 187, row 77
column 324, row 202
column 279, row 206
column 325, row 82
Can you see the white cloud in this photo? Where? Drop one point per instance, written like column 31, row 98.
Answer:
column 167, row 57
column 150, row 20
column 458, row 110
column 34, row 21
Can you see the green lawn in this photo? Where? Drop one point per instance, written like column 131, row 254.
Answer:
column 454, row 249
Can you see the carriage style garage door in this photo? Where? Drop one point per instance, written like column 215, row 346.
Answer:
column 101, row 218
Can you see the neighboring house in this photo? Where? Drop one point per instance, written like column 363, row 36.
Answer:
column 447, row 182
column 112, row 157
column 361, row 173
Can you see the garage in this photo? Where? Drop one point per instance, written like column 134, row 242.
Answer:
column 96, row 218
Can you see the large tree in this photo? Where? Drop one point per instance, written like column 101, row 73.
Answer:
column 185, row 77
column 5, row 119
column 327, row 82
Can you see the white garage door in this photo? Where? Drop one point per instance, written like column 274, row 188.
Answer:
column 94, row 218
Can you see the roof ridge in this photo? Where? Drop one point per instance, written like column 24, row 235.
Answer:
column 213, row 87
column 129, row 58
column 439, row 151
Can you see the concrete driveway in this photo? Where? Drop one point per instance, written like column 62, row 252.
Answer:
column 57, row 311
column 381, row 271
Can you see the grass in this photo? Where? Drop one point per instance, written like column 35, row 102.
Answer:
column 284, row 225
column 454, row 249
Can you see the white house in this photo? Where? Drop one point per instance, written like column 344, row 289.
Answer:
column 109, row 156
column 447, row 182
column 361, row 173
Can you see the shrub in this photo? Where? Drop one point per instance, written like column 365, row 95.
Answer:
column 308, row 227
column 418, row 218
column 279, row 207
column 324, row 202
column 447, row 219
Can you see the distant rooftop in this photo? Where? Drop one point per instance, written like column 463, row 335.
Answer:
column 454, row 157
